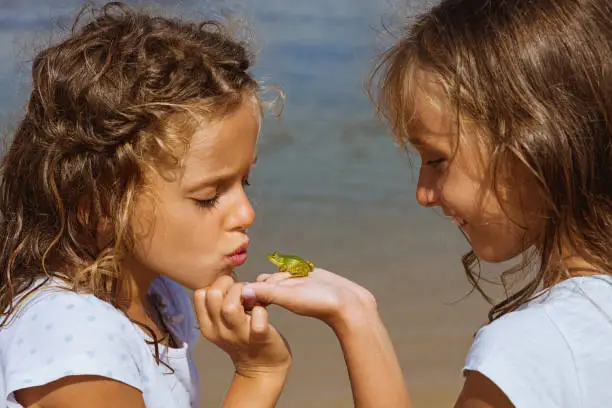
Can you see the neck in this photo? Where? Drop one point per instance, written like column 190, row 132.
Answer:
column 140, row 279
column 578, row 266
column 569, row 264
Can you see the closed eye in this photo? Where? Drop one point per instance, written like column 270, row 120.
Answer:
column 207, row 204
column 435, row 163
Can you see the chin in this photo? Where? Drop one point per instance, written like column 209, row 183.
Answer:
column 212, row 276
column 494, row 255
column 193, row 282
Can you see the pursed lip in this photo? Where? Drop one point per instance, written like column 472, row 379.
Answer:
column 241, row 249
column 239, row 256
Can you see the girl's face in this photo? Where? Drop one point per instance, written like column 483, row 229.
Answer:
column 193, row 227
column 454, row 177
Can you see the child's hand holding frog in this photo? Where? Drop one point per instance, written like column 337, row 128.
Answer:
column 311, row 291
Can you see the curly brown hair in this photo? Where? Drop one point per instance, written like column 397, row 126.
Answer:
column 536, row 76
column 116, row 97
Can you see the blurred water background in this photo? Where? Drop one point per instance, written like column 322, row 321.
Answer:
column 329, row 185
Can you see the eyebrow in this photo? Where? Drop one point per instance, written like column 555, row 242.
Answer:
column 413, row 128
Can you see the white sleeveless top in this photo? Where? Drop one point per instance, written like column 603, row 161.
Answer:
column 58, row 333
column 555, row 351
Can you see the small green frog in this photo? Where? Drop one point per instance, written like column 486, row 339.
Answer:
column 295, row 265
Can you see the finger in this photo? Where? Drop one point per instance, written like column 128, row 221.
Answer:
column 292, row 281
column 249, row 300
column 232, row 312
column 214, row 298
column 267, row 293
column 199, row 303
column 259, row 324
column 263, row 277
column 277, row 277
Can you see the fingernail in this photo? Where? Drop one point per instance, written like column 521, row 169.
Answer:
column 248, row 292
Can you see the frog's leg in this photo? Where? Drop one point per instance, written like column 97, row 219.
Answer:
column 282, row 268
column 300, row 271
column 300, row 274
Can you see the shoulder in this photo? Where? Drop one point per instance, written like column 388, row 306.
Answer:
column 522, row 332
column 527, row 355
column 553, row 318
column 53, row 309
column 588, row 297
column 56, row 333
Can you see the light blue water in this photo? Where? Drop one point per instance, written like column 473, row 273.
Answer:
column 327, row 146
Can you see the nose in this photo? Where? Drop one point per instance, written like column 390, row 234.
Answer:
column 242, row 214
column 428, row 189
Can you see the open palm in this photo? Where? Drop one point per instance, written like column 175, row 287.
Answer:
column 323, row 294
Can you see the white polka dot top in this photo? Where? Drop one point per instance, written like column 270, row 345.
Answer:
column 57, row 333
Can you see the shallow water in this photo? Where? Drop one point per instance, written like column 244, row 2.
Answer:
column 329, row 185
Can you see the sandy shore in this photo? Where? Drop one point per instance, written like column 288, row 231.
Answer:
column 410, row 264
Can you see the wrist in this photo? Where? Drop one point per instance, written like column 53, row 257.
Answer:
column 260, row 389
column 265, row 381
column 356, row 315
column 262, row 372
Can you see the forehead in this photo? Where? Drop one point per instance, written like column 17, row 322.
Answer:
column 432, row 114
column 222, row 146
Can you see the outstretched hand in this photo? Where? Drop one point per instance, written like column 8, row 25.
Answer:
column 322, row 295
column 351, row 311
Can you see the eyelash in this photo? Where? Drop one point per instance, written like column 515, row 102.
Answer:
column 212, row 202
column 208, row 204
column 435, row 163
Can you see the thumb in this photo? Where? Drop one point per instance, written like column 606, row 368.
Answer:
column 267, row 293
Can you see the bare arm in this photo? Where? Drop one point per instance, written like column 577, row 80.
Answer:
column 480, row 392
column 350, row 310
column 376, row 377
column 81, row 391
column 100, row 392
column 374, row 371
column 254, row 392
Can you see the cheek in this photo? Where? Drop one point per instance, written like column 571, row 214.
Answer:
column 181, row 231
column 463, row 195
column 175, row 238
column 500, row 236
